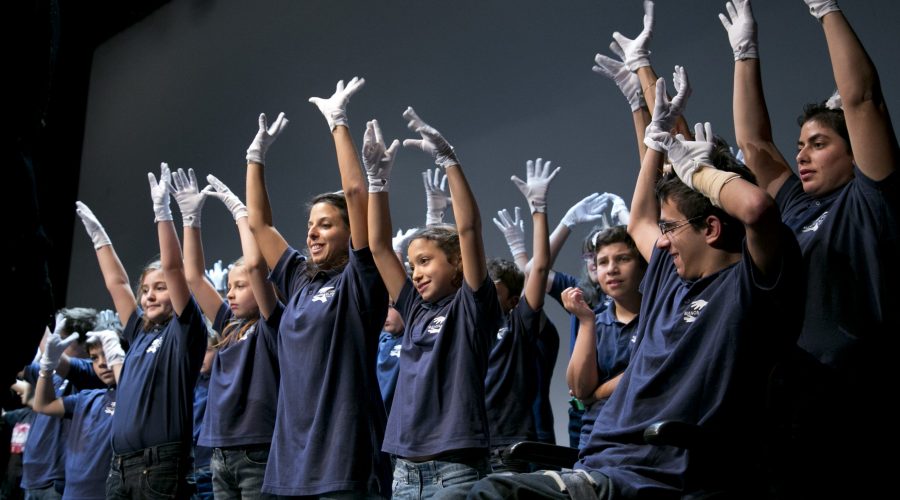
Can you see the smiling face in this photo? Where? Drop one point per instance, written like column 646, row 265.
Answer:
column 98, row 362
column 155, row 297
column 434, row 275
column 619, row 271
column 686, row 244
column 823, row 160
column 327, row 235
column 240, row 294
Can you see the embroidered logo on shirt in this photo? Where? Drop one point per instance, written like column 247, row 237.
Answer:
column 436, row 325
column 110, row 409
column 693, row 311
column 154, row 346
column 634, row 339
column 395, row 351
column 502, row 333
column 324, row 293
column 816, row 223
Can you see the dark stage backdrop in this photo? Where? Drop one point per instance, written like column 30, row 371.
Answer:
column 503, row 81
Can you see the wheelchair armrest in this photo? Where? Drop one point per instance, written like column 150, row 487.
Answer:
column 679, row 434
column 545, row 456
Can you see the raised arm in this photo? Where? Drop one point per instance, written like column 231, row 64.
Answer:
column 263, row 290
column 271, row 244
column 534, row 188
column 581, row 373
column 630, row 85
column 513, row 230
column 114, row 275
column 190, row 201
column 45, row 400
column 169, row 247
column 335, row 111
column 752, row 128
column 378, row 161
column 872, row 136
column 465, row 209
column 112, row 350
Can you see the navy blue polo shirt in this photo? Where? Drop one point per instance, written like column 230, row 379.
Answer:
column 511, row 383
column 439, row 404
column 547, row 351
column 88, row 447
column 850, row 241
column 243, row 387
column 614, row 348
column 705, row 349
column 388, row 365
column 330, row 417
column 155, row 400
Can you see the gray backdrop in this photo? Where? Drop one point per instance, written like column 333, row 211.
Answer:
column 503, row 81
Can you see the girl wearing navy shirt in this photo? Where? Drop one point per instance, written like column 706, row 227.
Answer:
column 330, row 417
column 438, row 426
column 151, row 429
column 243, row 380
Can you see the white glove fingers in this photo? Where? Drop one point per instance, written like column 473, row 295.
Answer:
column 732, row 12
column 662, row 100
column 278, row 125
column 392, row 149
column 698, row 132
column 443, row 179
column 529, row 169
column 71, row 339
column 415, row 143
column 379, row 138
column 617, row 49
column 725, row 22
column 518, row 182
column 263, row 123
column 709, row 132
column 518, row 218
column 339, row 87
column 192, row 178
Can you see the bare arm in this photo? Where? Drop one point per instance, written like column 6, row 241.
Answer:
column 468, row 223
column 45, row 400
column 116, row 281
column 648, row 82
column 872, row 137
column 581, row 373
column 643, row 227
column 173, row 266
column 354, row 185
column 388, row 263
column 271, row 244
column 263, row 290
column 536, row 282
column 606, row 388
column 194, row 270
column 757, row 211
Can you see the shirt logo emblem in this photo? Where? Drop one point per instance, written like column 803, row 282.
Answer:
column 154, row 346
column 502, row 333
column 816, row 223
column 693, row 311
column 110, row 409
column 395, row 351
column 436, row 325
column 324, row 293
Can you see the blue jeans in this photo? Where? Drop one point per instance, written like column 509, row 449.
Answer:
column 49, row 493
column 238, row 472
column 155, row 472
column 202, row 479
column 418, row 480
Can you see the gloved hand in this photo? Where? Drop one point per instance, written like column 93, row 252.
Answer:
column 535, row 186
column 92, row 226
column 219, row 276
column 335, row 107
column 265, row 137
column 741, row 29
column 589, row 209
column 618, row 213
column 689, row 156
column 432, row 142
column 513, row 229
column 107, row 319
column 637, row 51
column 615, row 70
column 217, row 189
column 56, row 345
column 398, row 241
column 819, row 8
column 376, row 159
column 159, row 192
column 437, row 198
column 112, row 347
column 666, row 113
column 188, row 197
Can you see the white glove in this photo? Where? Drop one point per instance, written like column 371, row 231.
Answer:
column 188, row 197
column 618, row 214
column 335, row 107
column 589, row 209
column 535, row 186
column 92, row 226
column 112, row 347
column 107, row 319
column 437, row 198
column 513, row 229
column 666, row 113
column 689, row 156
column 56, row 345
column 741, row 29
column 219, row 276
column 265, row 137
column 218, row 189
column 637, row 51
column 432, row 142
column 376, row 159
column 398, row 241
column 615, row 70
column 159, row 192
column 819, row 8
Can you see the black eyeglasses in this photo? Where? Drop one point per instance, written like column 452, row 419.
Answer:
column 667, row 227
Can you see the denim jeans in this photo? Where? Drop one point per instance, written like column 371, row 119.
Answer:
column 418, row 480
column 238, row 472
column 202, row 480
column 155, row 472
column 49, row 493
